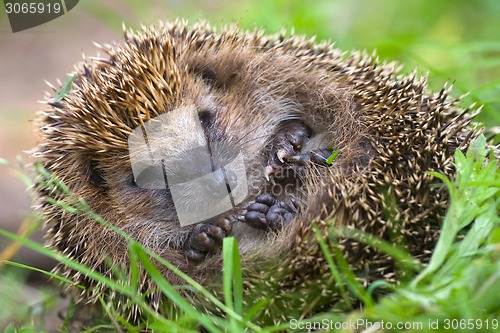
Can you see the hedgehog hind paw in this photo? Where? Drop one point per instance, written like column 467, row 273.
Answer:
column 267, row 213
column 206, row 238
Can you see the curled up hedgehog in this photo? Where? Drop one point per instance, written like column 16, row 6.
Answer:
column 182, row 135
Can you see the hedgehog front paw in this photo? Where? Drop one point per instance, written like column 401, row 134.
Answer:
column 205, row 238
column 267, row 213
column 286, row 159
column 287, row 143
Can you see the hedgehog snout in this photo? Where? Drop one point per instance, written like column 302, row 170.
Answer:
column 220, row 182
column 205, row 167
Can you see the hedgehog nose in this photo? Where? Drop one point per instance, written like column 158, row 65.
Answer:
column 231, row 180
column 221, row 182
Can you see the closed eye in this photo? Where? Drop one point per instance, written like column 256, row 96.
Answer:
column 206, row 74
column 206, row 117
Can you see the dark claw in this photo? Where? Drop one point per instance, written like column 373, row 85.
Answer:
column 298, row 138
column 265, row 199
column 256, row 220
column 259, row 207
column 225, row 224
column 321, row 156
column 195, row 256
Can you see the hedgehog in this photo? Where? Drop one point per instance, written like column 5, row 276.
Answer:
column 183, row 135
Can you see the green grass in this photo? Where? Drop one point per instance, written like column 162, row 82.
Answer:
column 457, row 290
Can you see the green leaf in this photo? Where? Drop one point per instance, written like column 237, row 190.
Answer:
column 468, row 203
column 10, row 329
column 87, row 271
column 134, row 267
column 65, row 88
column 332, row 156
column 477, row 148
column 348, row 275
column 256, row 308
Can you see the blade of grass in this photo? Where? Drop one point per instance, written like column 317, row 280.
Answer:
column 79, row 206
column 233, row 282
column 232, row 279
column 111, row 284
column 401, row 256
column 331, row 265
column 169, row 291
column 49, row 274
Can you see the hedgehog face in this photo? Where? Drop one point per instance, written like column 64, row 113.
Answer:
column 137, row 125
column 136, row 128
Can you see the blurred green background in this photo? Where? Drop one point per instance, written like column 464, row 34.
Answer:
column 453, row 41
